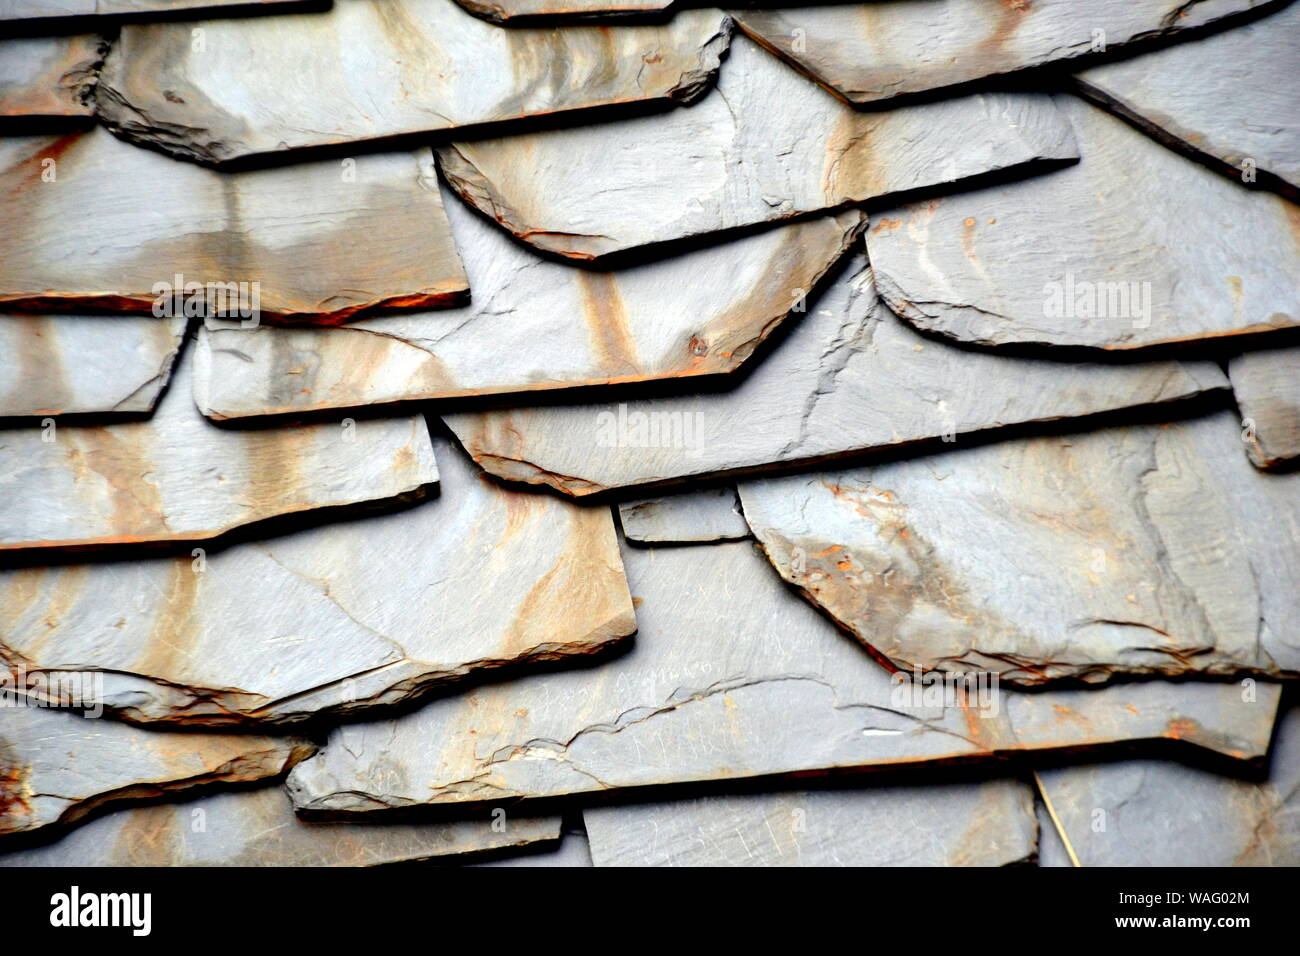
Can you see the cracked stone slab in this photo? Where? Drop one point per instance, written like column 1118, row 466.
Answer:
column 1143, row 549
column 709, row 514
column 571, row 851
column 766, row 145
column 57, row 766
column 74, row 364
column 871, row 53
column 334, row 619
column 258, row 828
column 1134, row 246
column 413, row 66
column 178, row 477
column 731, row 676
column 989, row 823
column 88, row 221
column 529, row 12
column 551, row 325
column 1267, row 387
column 49, row 76
column 1228, row 99
column 1162, row 813
column 41, row 9
column 850, row 378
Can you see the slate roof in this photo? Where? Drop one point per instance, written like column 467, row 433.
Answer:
column 438, row 428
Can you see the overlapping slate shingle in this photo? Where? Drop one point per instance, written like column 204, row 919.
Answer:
column 89, row 221
column 711, row 514
column 74, row 364
column 850, row 378
column 1267, row 387
column 1133, row 246
column 411, row 66
column 551, row 325
column 1131, row 550
column 731, row 676
column 258, row 828
column 49, row 76
column 1160, row 813
column 962, row 824
column 765, row 146
column 334, row 619
column 1227, row 99
column 57, row 766
column 178, row 477
column 874, row 52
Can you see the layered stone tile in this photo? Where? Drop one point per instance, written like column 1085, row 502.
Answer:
column 412, row 66
column 49, row 76
column 765, row 146
column 850, row 378
column 258, row 828
column 56, row 766
column 1134, row 246
column 710, row 514
column 571, row 851
column 79, row 364
column 988, row 823
column 1267, row 387
column 550, row 325
column 88, row 221
column 1228, row 99
column 526, row 12
column 40, row 9
column 871, row 53
column 732, row 676
column 332, row 620
column 1144, row 549
column 177, row 477
column 1162, row 813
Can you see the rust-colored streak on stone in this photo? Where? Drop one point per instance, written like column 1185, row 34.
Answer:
column 603, row 311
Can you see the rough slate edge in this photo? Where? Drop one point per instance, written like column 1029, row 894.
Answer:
column 1034, row 78
column 684, row 94
column 1203, row 402
column 30, row 116
column 571, row 850
column 144, row 398
column 631, row 11
column 1271, row 448
column 668, row 519
column 200, row 10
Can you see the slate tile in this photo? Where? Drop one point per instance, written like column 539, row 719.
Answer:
column 40, row 9
column 538, row 12
column 1134, row 246
column 850, row 378
column 710, row 514
column 1267, row 387
column 49, row 76
column 333, row 620
column 87, row 221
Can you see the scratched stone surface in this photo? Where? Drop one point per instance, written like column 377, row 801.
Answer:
column 413, row 66
column 1228, row 99
column 1267, row 388
column 1163, row 813
column 39, row 9
column 1145, row 549
column 988, row 823
column 335, row 619
column 49, row 76
column 550, row 325
column 177, row 477
column 530, row 12
column 116, row 222
column 766, row 145
column 871, row 53
column 851, row 377
column 74, row 364
column 731, row 676
column 1134, row 246
column 57, row 766
column 258, row 828
column 571, row 851
column 710, row 514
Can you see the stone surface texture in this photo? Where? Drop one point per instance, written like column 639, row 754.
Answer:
column 49, row 76
column 711, row 514
column 1267, row 387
